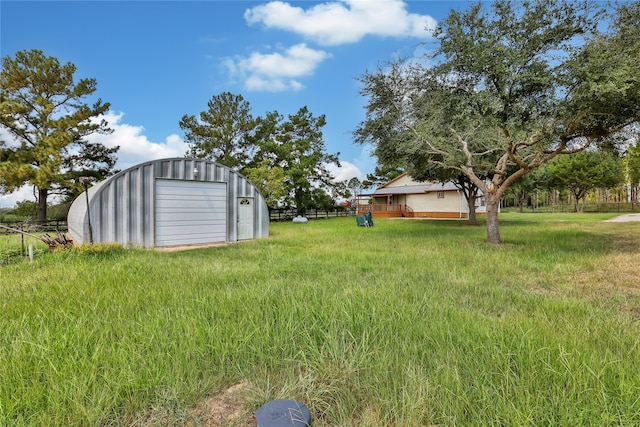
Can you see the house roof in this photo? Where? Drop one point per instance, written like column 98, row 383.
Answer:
column 397, row 178
column 415, row 189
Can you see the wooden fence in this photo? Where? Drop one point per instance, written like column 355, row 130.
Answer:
column 622, row 207
column 33, row 227
column 14, row 245
column 289, row 214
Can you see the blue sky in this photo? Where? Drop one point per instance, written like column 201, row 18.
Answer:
column 155, row 61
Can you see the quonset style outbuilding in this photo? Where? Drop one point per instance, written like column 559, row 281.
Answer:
column 170, row 202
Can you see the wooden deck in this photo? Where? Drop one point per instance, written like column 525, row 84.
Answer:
column 398, row 211
column 386, row 211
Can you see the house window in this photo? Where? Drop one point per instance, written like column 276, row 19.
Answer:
column 440, row 194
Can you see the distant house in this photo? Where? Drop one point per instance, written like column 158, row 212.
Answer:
column 404, row 197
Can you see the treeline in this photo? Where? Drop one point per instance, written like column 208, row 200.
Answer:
column 44, row 111
column 285, row 157
column 595, row 177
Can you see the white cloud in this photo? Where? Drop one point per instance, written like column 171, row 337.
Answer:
column 277, row 71
column 345, row 172
column 135, row 148
column 348, row 21
column 24, row 193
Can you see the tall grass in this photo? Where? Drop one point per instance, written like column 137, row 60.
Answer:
column 406, row 323
column 15, row 248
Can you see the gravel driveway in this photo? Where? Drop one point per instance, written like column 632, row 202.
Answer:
column 625, row 218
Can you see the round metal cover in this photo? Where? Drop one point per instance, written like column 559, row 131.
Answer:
column 283, row 413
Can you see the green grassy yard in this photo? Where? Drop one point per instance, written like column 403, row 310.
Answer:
column 408, row 323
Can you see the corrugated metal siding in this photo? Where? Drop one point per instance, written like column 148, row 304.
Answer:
column 122, row 207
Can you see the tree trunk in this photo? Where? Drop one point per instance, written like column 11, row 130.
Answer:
column 576, row 202
column 41, row 216
column 472, row 212
column 493, row 230
column 471, row 203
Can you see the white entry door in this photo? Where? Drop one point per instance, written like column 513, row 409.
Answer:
column 245, row 218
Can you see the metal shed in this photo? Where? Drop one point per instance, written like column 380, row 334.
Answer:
column 170, row 202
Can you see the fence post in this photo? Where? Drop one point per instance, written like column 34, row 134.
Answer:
column 22, row 252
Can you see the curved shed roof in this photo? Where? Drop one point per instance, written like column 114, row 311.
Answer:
column 124, row 207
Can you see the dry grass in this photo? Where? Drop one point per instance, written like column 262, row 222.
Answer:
column 227, row 408
column 612, row 279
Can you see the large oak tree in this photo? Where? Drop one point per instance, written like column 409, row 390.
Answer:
column 42, row 108
column 508, row 87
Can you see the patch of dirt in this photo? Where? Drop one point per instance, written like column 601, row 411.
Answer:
column 226, row 408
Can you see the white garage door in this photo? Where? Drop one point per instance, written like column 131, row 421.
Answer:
column 190, row 212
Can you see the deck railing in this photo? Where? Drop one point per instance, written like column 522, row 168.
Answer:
column 386, row 210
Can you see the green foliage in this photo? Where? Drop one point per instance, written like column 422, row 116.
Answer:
column 408, row 323
column 42, row 109
column 222, row 133
column 26, row 209
column 296, row 146
column 286, row 159
column 538, row 179
column 340, row 190
column 584, row 171
column 354, row 187
column 603, row 77
column 269, row 179
column 58, row 212
column 632, row 167
column 10, row 217
column 321, row 200
column 508, row 86
column 383, row 173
